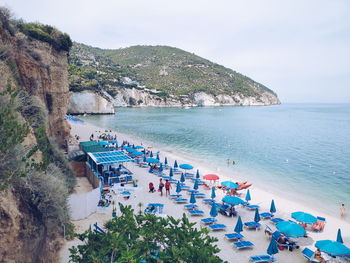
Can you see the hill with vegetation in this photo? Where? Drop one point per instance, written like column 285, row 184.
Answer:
column 161, row 71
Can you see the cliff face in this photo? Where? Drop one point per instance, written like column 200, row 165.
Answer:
column 88, row 102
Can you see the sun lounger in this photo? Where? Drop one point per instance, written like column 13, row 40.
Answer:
column 262, row 258
column 206, row 186
column 174, row 196
column 252, row 207
column 185, row 187
column 191, row 206
column 199, row 195
column 190, row 191
column 243, row 244
column 180, row 200
column 209, row 220
column 266, row 215
column 144, row 165
column 309, row 254
column 196, row 212
column 319, row 225
column 234, row 236
column 208, row 201
column 252, row 225
column 276, row 220
column 217, row 227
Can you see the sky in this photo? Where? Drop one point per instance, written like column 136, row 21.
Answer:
column 299, row 49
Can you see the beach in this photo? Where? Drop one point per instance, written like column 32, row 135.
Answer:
column 261, row 197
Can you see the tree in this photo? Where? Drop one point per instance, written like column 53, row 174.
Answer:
column 131, row 238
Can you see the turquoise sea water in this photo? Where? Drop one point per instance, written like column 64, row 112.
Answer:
column 299, row 150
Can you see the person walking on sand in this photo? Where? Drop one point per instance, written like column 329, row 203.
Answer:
column 161, row 186
column 342, row 210
column 167, row 187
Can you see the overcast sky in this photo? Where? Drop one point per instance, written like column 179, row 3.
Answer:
column 299, row 49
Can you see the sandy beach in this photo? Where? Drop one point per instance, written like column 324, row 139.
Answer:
column 228, row 252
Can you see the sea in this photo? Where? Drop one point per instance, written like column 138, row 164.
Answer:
column 300, row 151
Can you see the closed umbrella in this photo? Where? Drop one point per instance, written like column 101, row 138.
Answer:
column 213, row 195
column 182, row 179
column 144, row 158
column 158, row 156
column 304, row 218
column 333, row 248
column 272, row 248
column 232, row 200
column 291, row 229
column 161, row 167
column 197, row 174
column 151, row 154
column 175, row 164
column 213, row 211
column 339, row 237
column 230, row 184
column 195, row 186
column 178, row 187
column 150, row 169
column 192, row 198
column 171, row 173
column 166, row 161
column 256, row 216
column 247, row 196
column 239, row 225
column 272, row 207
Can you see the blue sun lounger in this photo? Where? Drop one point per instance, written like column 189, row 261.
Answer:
column 180, row 200
column 209, row 220
column 199, row 195
column 174, row 196
column 243, row 244
column 191, row 206
column 262, row 258
column 309, row 254
column 276, row 220
column 185, row 187
column 217, row 227
column 196, row 212
column 208, row 201
column 252, row 207
column 190, row 191
column 252, row 225
column 234, row 236
column 266, row 215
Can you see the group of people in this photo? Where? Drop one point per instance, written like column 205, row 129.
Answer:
column 161, row 186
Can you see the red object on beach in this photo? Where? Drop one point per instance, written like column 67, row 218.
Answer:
column 211, row 177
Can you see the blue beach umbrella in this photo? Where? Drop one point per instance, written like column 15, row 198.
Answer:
column 272, row 248
column 151, row 154
column 239, row 225
column 178, row 187
column 152, row 160
column 213, row 195
column 197, row 174
column 161, row 167
column 171, row 173
column 166, row 161
column 230, row 184
column 138, row 147
column 133, row 146
column 291, row 229
column 195, row 186
column 182, row 179
column 175, row 164
column 232, row 200
column 186, row 166
column 103, row 143
column 158, row 156
column 150, row 169
column 144, row 158
column 333, row 248
column 339, row 237
column 304, row 217
column 213, row 211
column 136, row 153
column 247, row 196
column 131, row 150
column 113, row 141
column 272, row 207
column 192, row 198
column 256, row 216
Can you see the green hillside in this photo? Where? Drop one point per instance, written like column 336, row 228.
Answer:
column 168, row 70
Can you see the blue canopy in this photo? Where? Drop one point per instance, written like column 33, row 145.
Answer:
column 247, row 196
column 213, row 195
column 197, row 174
column 182, row 179
column 171, row 173
column 232, row 200
column 113, row 141
column 230, row 184
column 130, row 150
column 272, row 207
column 239, row 225
column 186, row 166
column 304, row 217
column 166, row 161
column 178, row 187
column 291, row 229
column 339, row 237
column 138, row 147
column 192, row 198
column 109, row 158
column 136, row 153
column 256, row 216
column 103, row 143
column 175, row 164
column 213, row 210
column 125, row 147
column 152, row 160
column 195, row 186
column 272, row 248
column 333, row 248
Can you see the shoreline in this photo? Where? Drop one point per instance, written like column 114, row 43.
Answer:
column 259, row 196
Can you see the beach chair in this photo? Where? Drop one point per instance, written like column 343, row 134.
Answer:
column 180, row 200
column 174, row 196
column 262, row 258
column 309, row 254
column 252, row 225
column 191, row 206
column 190, row 191
column 243, row 244
column 208, row 201
column 217, row 227
column 234, row 236
column 185, row 187
column 199, row 195
column 276, row 220
column 319, row 225
column 266, row 215
column 195, row 212
column 206, row 186
column 209, row 220
column 252, row 207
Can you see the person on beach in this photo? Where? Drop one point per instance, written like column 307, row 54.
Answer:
column 161, row 186
column 151, row 187
column 342, row 210
column 167, row 187
column 318, row 256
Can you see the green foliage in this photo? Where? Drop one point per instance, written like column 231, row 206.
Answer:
column 132, row 238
